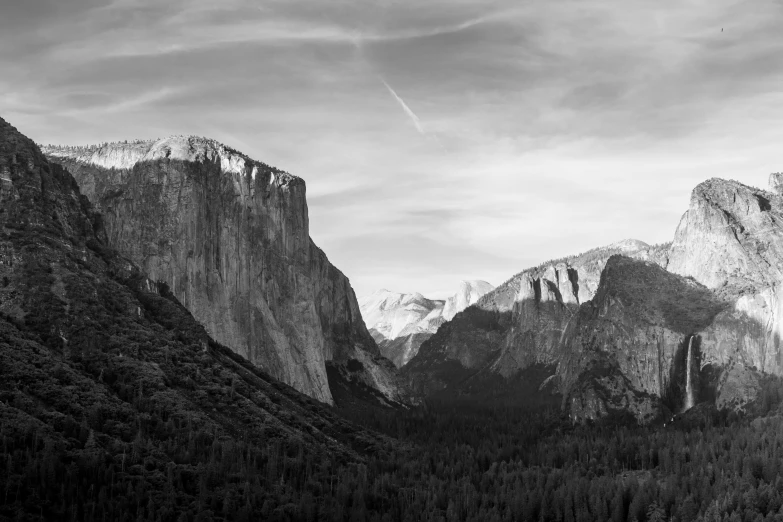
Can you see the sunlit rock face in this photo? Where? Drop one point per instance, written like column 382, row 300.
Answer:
column 731, row 240
column 469, row 292
column 230, row 236
column 776, row 183
column 400, row 323
column 618, row 321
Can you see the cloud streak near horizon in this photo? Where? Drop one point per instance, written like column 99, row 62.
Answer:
column 567, row 124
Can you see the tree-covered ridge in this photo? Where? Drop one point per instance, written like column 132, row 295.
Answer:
column 92, row 147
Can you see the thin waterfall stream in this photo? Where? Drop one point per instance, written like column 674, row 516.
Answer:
column 688, row 382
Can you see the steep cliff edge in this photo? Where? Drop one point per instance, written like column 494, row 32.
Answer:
column 731, row 240
column 230, row 236
column 400, row 323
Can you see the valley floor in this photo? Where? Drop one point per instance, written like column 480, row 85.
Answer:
column 446, row 461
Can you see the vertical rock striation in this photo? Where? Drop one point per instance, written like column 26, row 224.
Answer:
column 230, row 237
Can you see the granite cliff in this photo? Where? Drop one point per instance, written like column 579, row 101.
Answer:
column 230, row 236
column 400, row 323
column 104, row 374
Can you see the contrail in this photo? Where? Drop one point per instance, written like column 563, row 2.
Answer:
column 408, row 111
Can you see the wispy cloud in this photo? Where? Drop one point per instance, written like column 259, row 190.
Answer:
column 563, row 111
column 411, row 115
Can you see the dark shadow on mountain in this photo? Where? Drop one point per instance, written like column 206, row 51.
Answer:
column 656, row 296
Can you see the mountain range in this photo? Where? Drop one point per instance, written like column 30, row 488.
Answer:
column 399, row 323
column 620, row 327
column 614, row 329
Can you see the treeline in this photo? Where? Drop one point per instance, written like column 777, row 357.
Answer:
column 92, row 147
column 450, row 463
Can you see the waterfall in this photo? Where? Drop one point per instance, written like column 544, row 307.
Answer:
column 688, row 383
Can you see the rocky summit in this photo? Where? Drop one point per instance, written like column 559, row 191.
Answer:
column 400, row 323
column 230, row 237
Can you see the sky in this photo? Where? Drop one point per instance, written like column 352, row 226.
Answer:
column 440, row 140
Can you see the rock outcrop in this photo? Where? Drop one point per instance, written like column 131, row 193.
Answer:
column 776, row 183
column 400, row 323
column 230, row 237
column 731, row 240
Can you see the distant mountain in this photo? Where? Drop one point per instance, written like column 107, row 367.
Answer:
column 399, row 323
column 230, row 236
column 115, row 403
column 469, row 292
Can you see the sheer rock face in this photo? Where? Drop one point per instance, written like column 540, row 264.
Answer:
column 230, row 236
column 731, row 240
column 400, row 323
